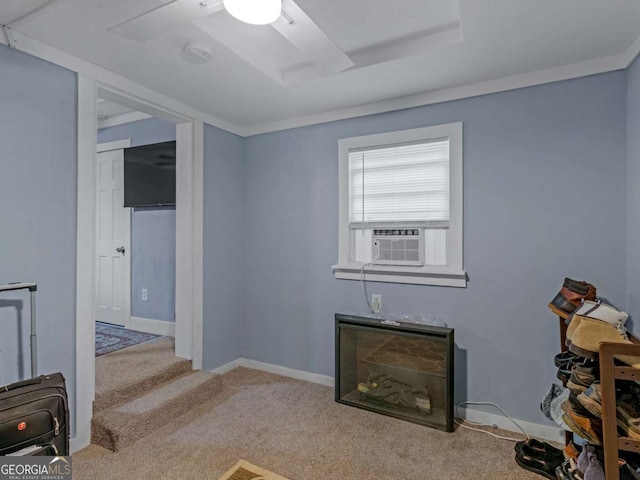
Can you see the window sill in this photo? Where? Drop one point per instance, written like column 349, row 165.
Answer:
column 438, row 276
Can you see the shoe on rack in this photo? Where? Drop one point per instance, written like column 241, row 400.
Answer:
column 588, row 428
column 582, row 377
column 590, row 333
column 591, row 399
column 594, row 471
column 602, row 311
column 565, row 360
column 556, row 410
column 571, row 404
column 628, row 418
column 570, row 297
column 583, row 459
column 554, row 391
column 628, row 473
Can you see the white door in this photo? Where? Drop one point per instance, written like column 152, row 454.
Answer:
column 113, row 239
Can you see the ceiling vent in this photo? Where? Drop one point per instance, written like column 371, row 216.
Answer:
column 198, row 54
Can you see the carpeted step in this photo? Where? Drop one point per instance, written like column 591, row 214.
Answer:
column 125, row 424
column 129, row 373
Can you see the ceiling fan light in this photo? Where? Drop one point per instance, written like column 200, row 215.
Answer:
column 255, row 12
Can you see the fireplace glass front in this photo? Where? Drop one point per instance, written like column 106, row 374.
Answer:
column 402, row 370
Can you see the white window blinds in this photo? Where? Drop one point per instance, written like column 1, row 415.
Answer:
column 400, row 184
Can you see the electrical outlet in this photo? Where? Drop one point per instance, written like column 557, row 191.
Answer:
column 376, row 302
column 144, row 294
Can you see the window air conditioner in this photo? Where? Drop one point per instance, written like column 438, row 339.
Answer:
column 398, row 246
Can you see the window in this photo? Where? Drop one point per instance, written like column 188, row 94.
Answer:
column 401, row 207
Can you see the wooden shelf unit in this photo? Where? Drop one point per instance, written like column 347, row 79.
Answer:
column 568, row 436
column 609, row 373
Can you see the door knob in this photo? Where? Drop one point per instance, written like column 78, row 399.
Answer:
column 120, row 250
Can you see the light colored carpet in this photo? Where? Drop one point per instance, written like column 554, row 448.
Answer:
column 296, row 430
column 126, row 374
column 243, row 470
column 117, row 427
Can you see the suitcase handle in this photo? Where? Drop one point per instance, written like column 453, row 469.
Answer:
column 24, row 383
column 32, row 287
column 18, row 286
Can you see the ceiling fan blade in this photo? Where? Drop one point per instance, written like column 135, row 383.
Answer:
column 308, row 38
column 165, row 18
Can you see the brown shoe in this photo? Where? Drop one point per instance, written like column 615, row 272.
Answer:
column 586, row 339
column 570, row 297
column 588, row 428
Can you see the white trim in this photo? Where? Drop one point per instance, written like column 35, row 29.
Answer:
column 184, row 241
column 537, row 430
column 533, row 429
column 530, row 79
column 77, row 443
column 198, row 244
column 113, row 80
column 155, row 327
column 277, row 369
column 117, row 145
column 401, row 275
column 121, row 119
column 450, row 275
column 227, row 367
column 632, row 52
column 85, row 255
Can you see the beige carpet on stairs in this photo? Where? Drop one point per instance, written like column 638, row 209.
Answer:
column 125, row 374
column 296, row 430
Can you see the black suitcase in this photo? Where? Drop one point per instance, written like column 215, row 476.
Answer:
column 34, row 413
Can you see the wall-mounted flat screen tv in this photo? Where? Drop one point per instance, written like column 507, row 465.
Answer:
column 150, row 175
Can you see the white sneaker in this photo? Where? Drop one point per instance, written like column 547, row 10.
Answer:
column 602, row 311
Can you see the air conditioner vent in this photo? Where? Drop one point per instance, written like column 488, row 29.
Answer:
column 398, row 246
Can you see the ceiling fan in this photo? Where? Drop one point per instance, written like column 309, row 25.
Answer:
column 285, row 16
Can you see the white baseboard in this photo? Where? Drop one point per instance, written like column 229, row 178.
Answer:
column 155, row 327
column 79, row 442
column 545, row 432
column 277, row 369
column 227, row 367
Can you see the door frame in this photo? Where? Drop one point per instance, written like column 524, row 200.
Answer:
column 189, row 241
column 108, row 147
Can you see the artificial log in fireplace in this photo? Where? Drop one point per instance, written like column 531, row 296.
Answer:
column 399, row 369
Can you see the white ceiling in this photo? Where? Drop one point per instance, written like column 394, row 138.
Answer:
column 107, row 109
column 337, row 54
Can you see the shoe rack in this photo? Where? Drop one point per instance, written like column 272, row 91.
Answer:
column 568, row 436
column 609, row 373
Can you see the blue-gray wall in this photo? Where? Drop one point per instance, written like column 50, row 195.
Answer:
column 544, row 198
column 633, row 194
column 38, row 125
column 153, row 232
column 153, row 263
column 224, row 254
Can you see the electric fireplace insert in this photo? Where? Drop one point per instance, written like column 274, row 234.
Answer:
column 403, row 370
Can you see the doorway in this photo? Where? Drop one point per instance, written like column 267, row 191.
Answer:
column 188, row 291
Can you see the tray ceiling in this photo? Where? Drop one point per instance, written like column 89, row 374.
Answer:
column 336, row 54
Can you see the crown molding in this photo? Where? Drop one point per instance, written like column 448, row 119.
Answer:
column 530, row 79
column 111, row 80
column 632, row 52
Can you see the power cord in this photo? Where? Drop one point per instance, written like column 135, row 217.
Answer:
column 363, row 284
column 485, row 425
